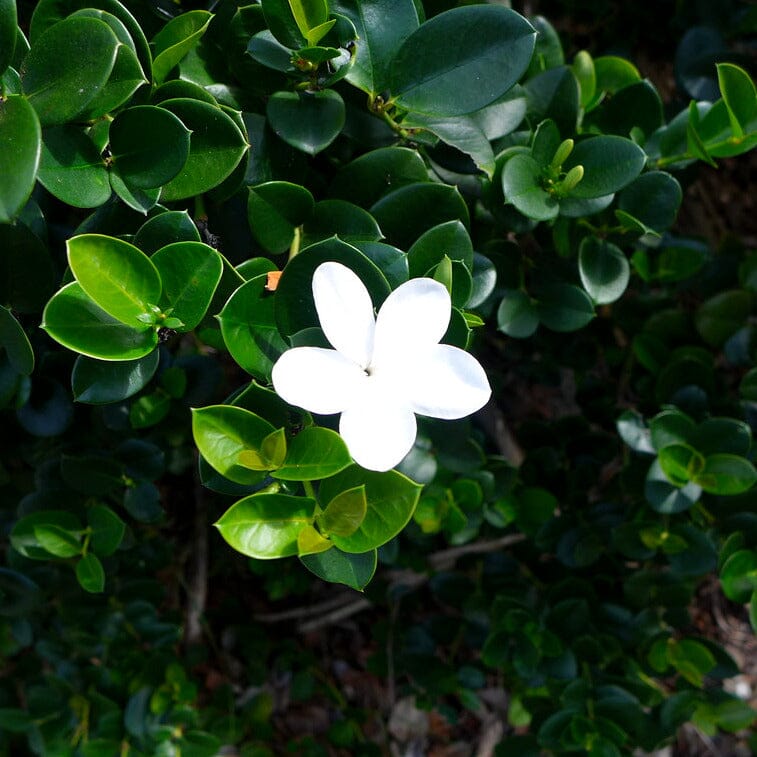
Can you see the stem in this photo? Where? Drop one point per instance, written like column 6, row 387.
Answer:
column 294, row 248
column 309, row 490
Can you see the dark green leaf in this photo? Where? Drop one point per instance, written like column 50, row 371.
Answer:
column 8, row 21
column 664, row 497
column 275, row 209
column 16, row 344
column 265, row 526
column 176, row 39
column 90, row 574
column 493, row 47
column 653, row 199
column 99, row 382
column 522, row 184
column 308, row 121
column 353, row 570
column 517, row 314
column 107, row 529
column 20, row 147
column 564, row 307
column 726, row 474
column 26, row 269
column 164, row 229
column 604, row 270
column 609, row 163
column 722, row 315
column 249, row 328
column 149, row 145
column 69, row 63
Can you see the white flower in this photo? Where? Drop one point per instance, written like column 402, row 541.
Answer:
column 382, row 369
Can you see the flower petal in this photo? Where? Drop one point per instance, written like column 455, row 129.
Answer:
column 445, row 382
column 345, row 311
column 322, row 381
column 378, row 431
column 414, row 316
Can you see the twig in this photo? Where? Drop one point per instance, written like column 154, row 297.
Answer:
column 197, row 581
column 297, row 613
column 335, row 616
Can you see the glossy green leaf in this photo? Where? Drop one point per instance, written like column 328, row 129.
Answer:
column 314, row 453
column 309, row 15
column 282, row 23
column 680, row 463
column 16, row 344
column 451, row 239
column 141, row 200
column 294, row 306
column 310, row 542
column 164, row 229
column 223, row 432
column 738, row 576
column 107, row 529
column 583, row 70
column 554, row 94
column 612, row 75
column 382, row 26
column 117, row 276
column 664, row 497
column 391, row 499
column 344, row 219
column 8, row 21
column 671, row 426
column 176, row 39
column 370, row 176
column 493, row 49
column 740, row 97
column 99, row 382
column 20, row 148
column 249, row 328
column 609, row 163
column 24, row 540
column 407, row 212
column 517, row 315
column 604, row 270
column 90, row 574
column 335, row 566
column 522, row 184
column 57, row 541
column 634, row 432
column 653, row 199
column 308, row 121
column 67, row 66
column 344, row 514
column 265, row 526
column 149, row 145
column 216, row 146
column 275, row 210
column 722, row 315
column 72, row 169
column 564, row 307
column 728, row 435
column 189, row 272
column 726, row 474
column 77, row 322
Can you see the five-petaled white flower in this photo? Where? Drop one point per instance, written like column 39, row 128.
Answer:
column 382, row 369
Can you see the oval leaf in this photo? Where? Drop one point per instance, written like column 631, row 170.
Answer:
column 20, row 148
column 314, row 453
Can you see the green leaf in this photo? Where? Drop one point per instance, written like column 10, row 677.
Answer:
column 347, row 221
column 634, row 432
column 98, row 382
column 310, row 542
column 281, row 21
column 26, row 269
column 223, row 432
column 335, row 566
column 309, row 15
column 664, row 497
column 141, row 200
column 164, row 229
column 554, row 94
column 344, row 514
column 275, row 210
column 671, row 426
column 522, row 179
column 738, row 576
column 517, row 315
column 16, row 344
column 382, row 26
column 57, row 541
column 216, row 145
column 107, row 529
column 68, row 64
column 493, row 47
column 8, row 26
column 727, row 435
column 722, row 315
column 407, row 212
column 449, row 239
column 77, row 322
column 249, row 328
column 149, row 145
column 740, row 97
column 265, row 526
column 391, row 499
column 564, row 307
column 604, row 270
column 314, row 453
column 189, row 272
column 20, row 148
column 117, row 276
column 733, row 715
column 583, row 70
column 90, row 574
column 652, row 199
column 680, row 463
column 308, row 121
column 176, row 39
column 294, row 307
column 72, row 169
column 23, row 534
column 726, row 474
column 609, row 163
